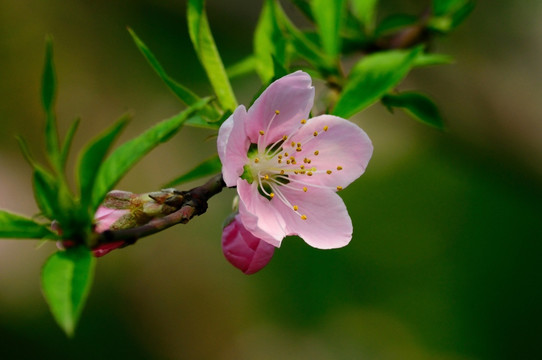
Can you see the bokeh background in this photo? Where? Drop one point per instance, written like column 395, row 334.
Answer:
column 445, row 259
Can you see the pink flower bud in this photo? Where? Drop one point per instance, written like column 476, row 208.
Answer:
column 107, row 218
column 243, row 250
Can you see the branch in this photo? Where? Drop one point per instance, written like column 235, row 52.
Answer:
column 189, row 203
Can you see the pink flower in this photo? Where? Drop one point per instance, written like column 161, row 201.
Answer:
column 243, row 250
column 107, row 218
column 288, row 168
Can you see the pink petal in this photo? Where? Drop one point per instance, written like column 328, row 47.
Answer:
column 232, row 146
column 343, row 146
column 243, row 250
column 292, row 95
column 106, row 218
column 328, row 225
column 259, row 215
column 106, row 248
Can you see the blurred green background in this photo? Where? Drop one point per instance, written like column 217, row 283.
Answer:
column 445, row 259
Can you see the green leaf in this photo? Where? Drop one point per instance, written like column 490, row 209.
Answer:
column 425, row 59
column 182, row 92
column 46, row 194
column 444, row 7
column 243, row 67
column 93, row 155
column 204, row 44
column 66, row 145
column 66, row 279
column 129, row 153
column 210, row 166
column 48, row 94
column 13, row 226
column 417, row 105
column 303, row 46
column 372, row 77
column 328, row 16
column 199, row 122
column 365, row 11
column 305, row 7
column 394, row 23
column 269, row 42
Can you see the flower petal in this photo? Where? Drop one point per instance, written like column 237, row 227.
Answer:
column 232, row 146
column 243, row 250
column 259, row 215
column 328, row 225
column 293, row 96
column 343, row 149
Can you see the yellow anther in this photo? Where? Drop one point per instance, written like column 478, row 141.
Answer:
column 271, row 195
column 280, row 156
column 326, row 128
column 309, row 174
column 293, row 162
column 339, row 168
column 296, row 207
column 303, row 121
column 266, row 177
column 293, row 144
column 305, row 160
column 302, row 167
column 277, row 112
column 286, row 154
column 315, row 133
column 280, row 161
column 288, row 162
column 339, row 188
column 328, row 172
column 256, row 160
column 303, row 217
column 316, row 152
column 261, row 132
column 296, row 172
column 298, row 149
column 298, row 144
column 282, row 172
column 304, row 188
column 308, row 161
column 284, row 137
column 303, row 172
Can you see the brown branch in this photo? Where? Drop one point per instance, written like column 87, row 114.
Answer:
column 192, row 203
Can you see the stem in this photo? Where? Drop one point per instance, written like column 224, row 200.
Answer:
column 194, row 203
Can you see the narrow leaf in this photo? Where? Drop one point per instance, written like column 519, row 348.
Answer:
column 66, row 145
column 365, row 11
column 13, row 226
column 328, row 16
column 444, row 7
column 373, row 77
column 66, row 279
column 204, row 44
column 418, row 106
column 182, row 92
column 424, row 59
column 394, row 23
column 92, row 157
column 210, row 166
column 46, row 194
column 129, row 153
column 199, row 122
column 269, row 42
column 48, row 94
column 241, row 68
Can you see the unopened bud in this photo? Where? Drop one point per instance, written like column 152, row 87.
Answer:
column 243, row 250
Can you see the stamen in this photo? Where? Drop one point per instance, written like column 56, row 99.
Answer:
column 339, row 188
column 304, row 188
column 295, row 208
column 309, row 174
column 256, row 160
column 266, row 177
column 328, row 172
column 286, row 154
column 303, row 121
column 293, row 144
column 315, row 133
column 284, row 137
column 272, row 195
column 326, row 128
column 262, row 132
column 277, row 112
column 298, row 149
column 339, row 168
column 303, row 217
column 316, row 153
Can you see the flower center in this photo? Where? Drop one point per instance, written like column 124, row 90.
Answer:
column 283, row 164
